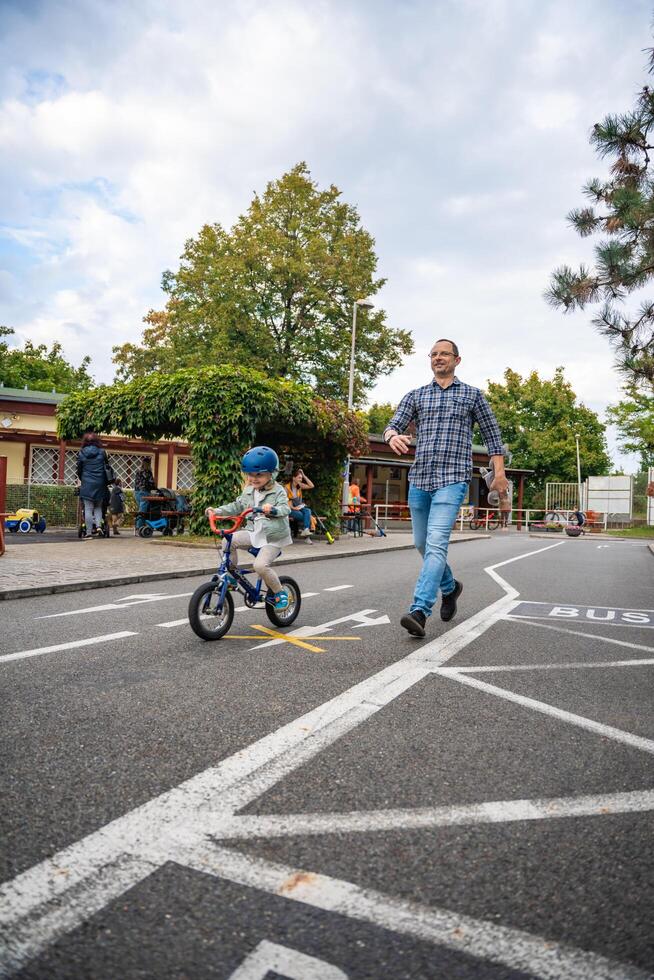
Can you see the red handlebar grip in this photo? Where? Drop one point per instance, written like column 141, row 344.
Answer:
column 236, row 522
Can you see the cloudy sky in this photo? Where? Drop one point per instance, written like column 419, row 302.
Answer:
column 459, row 128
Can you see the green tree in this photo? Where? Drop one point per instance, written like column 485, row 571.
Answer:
column 634, row 419
column 39, row 368
column 538, row 419
column 276, row 293
column 621, row 208
column 378, row 416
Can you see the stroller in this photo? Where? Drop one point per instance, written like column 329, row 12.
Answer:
column 165, row 512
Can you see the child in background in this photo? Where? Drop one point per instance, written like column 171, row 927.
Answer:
column 268, row 530
column 116, row 505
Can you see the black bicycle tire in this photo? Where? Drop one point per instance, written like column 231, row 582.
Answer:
column 278, row 618
column 474, row 524
column 194, row 607
column 493, row 525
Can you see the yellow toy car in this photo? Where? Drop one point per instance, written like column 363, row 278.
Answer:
column 25, row 520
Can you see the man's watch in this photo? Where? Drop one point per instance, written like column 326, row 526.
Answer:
column 387, row 441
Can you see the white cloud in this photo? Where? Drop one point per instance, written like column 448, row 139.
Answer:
column 460, row 132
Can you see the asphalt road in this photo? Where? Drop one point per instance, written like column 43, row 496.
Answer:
column 477, row 804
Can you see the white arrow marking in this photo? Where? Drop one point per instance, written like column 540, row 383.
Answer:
column 287, row 962
column 362, row 618
column 120, row 604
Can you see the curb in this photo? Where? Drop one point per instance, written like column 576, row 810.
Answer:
column 37, row 590
column 586, row 537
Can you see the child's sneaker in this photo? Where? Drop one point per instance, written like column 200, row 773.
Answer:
column 278, row 599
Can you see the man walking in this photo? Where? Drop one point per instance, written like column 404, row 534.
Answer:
column 444, row 413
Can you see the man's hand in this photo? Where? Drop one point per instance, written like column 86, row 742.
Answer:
column 400, row 444
column 501, row 484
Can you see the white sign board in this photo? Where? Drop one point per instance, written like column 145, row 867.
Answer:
column 610, row 494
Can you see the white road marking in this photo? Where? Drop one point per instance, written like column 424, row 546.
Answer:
column 238, row 609
column 38, row 906
column 510, row 591
column 118, row 604
column 337, row 588
column 602, row 546
column 607, row 731
column 185, row 622
column 572, row 605
column 71, row 645
column 270, row 957
column 361, row 619
column 41, row 904
column 514, row 948
column 569, row 665
column 590, row 636
column 247, row 827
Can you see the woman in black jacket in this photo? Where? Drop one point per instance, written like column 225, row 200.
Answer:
column 91, row 463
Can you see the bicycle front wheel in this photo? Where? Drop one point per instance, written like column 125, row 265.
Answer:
column 474, row 524
column 284, row 617
column 208, row 617
column 493, row 524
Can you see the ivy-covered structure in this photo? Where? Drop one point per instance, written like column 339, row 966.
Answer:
column 221, row 411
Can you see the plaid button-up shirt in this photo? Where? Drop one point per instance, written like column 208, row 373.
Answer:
column 444, row 418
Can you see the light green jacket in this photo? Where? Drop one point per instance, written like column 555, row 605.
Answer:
column 276, row 528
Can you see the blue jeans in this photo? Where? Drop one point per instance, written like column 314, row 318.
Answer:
column 302, row 517
column 433, row 514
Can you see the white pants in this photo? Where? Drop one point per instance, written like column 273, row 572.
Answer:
column 263, row 561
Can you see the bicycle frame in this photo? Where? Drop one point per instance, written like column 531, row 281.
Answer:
column 251, row 593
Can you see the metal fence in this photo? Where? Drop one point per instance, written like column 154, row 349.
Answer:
column 58, row 503
column 389, row 516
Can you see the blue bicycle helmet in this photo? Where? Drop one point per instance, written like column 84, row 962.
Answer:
column 260, row 459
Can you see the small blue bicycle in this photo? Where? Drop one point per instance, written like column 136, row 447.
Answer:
column 211, row 608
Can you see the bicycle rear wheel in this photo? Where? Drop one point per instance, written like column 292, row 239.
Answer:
column 284, row 617
column 207, row 620
column 493, row 524
column 475, row 524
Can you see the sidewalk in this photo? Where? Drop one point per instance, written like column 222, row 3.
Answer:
column 41, row 569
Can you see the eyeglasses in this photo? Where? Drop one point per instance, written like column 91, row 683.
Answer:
column 442, row 353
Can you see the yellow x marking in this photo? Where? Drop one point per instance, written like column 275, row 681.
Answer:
column 296, row 640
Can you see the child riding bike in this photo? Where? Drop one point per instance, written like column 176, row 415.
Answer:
column 267, row 529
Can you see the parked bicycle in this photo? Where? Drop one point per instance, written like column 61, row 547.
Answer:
column 489, row 522
column 211, row 608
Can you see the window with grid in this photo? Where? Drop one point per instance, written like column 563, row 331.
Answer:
column 185, row 473
column 70, row 467
column 45, row 465
column 126, row 464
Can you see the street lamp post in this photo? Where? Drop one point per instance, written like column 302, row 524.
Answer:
column 581, row 503
column 363, row 304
